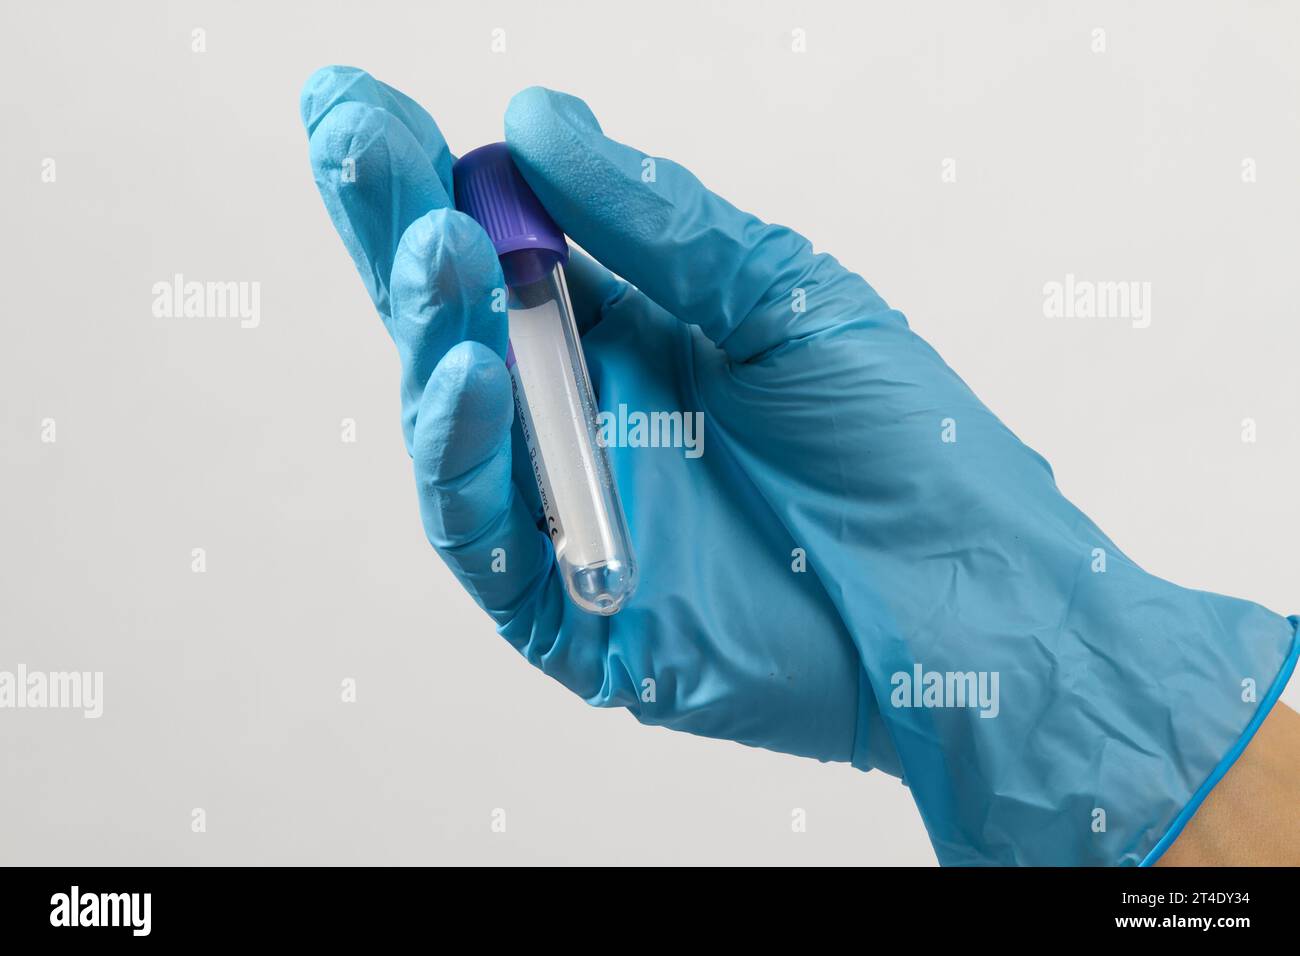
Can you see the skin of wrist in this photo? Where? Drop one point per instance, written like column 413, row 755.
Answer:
column 1250, row 818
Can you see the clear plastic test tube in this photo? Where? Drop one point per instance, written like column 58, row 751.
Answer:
column 554, row 404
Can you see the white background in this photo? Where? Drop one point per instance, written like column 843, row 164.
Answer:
column 222, row 690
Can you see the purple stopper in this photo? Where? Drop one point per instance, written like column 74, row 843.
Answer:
column 490, row 190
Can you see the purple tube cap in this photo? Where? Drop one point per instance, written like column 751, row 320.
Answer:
column 490, row 190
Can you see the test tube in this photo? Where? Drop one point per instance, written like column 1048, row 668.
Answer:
column 554, row 404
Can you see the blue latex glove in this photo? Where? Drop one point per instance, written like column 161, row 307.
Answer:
column 1120, row 697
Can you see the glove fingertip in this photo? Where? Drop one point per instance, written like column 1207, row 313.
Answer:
column 321, row 91
column 464, row 416
column 447, row 255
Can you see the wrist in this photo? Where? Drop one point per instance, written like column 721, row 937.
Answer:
column 1249, row 818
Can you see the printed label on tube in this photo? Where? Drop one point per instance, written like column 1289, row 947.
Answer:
column 553, row 525
column 554, row 412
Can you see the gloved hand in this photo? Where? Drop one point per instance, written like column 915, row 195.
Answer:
column 935, row 542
